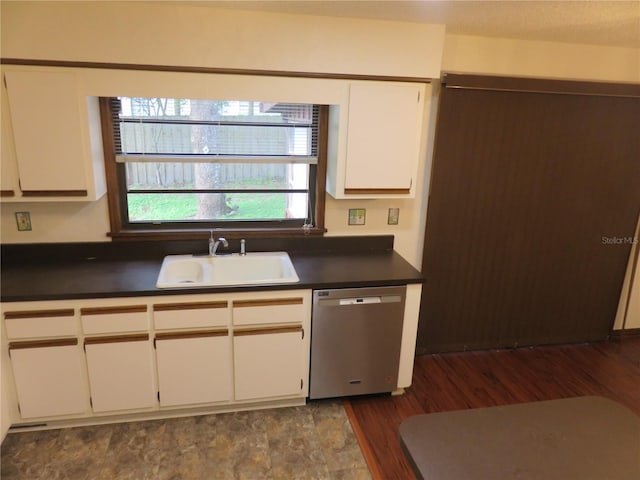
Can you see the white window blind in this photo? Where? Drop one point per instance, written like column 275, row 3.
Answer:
column 194, row 130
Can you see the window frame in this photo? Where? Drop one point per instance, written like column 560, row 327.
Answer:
column 121, row 229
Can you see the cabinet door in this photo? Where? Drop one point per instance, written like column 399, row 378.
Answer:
column 269, row 362
column 8, row 169
column 383, row 137
column 46, row 119
column 193, row 367
column 121, row 375
column 48, row 377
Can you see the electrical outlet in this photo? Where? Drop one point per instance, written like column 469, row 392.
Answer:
column 357, row 216
column 23, row 219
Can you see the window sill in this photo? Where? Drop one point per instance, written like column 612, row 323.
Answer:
column 136, row 235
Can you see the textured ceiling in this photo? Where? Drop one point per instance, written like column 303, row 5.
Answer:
column 596, row 22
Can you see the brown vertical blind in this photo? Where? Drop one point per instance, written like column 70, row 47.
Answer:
column 535, row 194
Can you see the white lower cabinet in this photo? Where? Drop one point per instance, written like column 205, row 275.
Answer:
column 48, row 377
column 121, row 374
column 194, row 367
column 269, row 362
column 143, row 355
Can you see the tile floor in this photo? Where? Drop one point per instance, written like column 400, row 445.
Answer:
column 311, row 442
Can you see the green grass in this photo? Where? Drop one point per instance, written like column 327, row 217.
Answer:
column 157, row 207
column 257, row 205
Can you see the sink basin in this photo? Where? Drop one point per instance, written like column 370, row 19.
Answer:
column 181, row 271
column 187, row 271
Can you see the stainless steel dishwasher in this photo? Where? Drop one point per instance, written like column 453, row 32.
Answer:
column 355, row 341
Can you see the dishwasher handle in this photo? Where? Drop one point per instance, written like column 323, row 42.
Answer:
column 359, row 300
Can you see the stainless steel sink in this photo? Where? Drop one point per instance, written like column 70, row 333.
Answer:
column 255, row 268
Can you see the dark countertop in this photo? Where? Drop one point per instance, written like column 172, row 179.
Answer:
column 127, row 277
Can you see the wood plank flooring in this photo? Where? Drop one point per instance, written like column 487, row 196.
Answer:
column 455, row 381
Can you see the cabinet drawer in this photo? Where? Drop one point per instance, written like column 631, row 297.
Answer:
column 130, row 318
column 40, row 323
column 264, row 311
column 190, row 315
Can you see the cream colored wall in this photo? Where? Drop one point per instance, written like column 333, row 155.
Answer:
column 82, row 31
column 260, row 41
column 56, row 222
column 501, row 56
column 170, row 34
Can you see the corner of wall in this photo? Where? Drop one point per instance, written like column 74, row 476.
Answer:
column 528, row 58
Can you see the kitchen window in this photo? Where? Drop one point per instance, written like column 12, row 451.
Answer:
column 178, row 165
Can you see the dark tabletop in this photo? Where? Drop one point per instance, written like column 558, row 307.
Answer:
column 586, row 438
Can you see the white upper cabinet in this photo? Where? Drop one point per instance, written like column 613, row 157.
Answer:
column 52, row 145
column 383, row 137
column 9, row 186
column 374, row 146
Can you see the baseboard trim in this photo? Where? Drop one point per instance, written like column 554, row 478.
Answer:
column 167, row 413
column 625, row 333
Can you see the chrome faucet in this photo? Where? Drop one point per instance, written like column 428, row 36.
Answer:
column 214, row 244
